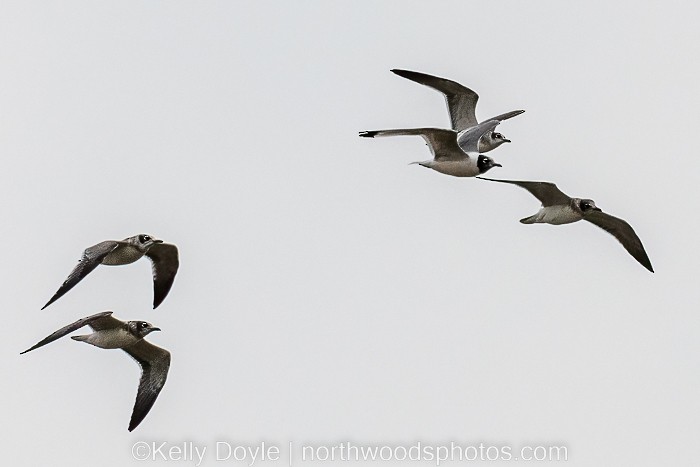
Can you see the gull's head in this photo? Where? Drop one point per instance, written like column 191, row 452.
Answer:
column 143, row 241
column 588, row 205
column 491, row 141
column 141, row 329
column 485, row 164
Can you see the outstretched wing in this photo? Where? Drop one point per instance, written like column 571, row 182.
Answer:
column 546, row 192
column 442, row 143
column 461, row 101
column 155, row 363
column 164, row 262
column 623, row 232
column 506, row 116
column 91, row 258
column 101, row 320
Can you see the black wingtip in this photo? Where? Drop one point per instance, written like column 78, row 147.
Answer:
column 55, row 297
column 368, row 134
column 400, row 72
column 30, row 349
column 136, row 420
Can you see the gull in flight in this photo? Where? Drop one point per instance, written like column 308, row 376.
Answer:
column 448, row 157
column 461, row 104
column 111, row 333
column 558, row 208
column 163, row 256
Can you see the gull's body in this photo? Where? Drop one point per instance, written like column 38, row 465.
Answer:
column 559, row 208
column 557, row 215
column 461, row 105
column 448, row 157
column 164, row 258
column 111, row 333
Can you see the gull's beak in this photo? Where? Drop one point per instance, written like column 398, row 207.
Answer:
column 506, row 141
column 497, row 165
column 155, row 329
column 157, row 241
column 597, row 209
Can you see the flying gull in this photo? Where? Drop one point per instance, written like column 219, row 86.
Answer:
column 461, row 105
column 164, row 259
column 111, row 333
column 558, row 208
column 448, row 157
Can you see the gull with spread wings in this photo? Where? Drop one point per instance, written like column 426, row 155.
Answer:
column 461, row 105
column 448, row 157
column 164, row 260
column 111, row 333
column 558, row 208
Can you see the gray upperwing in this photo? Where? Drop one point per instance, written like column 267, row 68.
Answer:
column 107, row 322
column 103, row 317
column 506, row 115
column 461, row 101
column 624, row 233
column 546, row 192
column 165, row 262
column 442, row 143
column 91, row 258
column 155, row 363
column 468, row 140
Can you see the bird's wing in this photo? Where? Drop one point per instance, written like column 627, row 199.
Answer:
column 91, row 320
column 164, row 262
column 623, row 232
column 107, row 322
column 546, row 192
column 91, row 258
column 442, row 143
column 506, row 116
column 468, row 140
column 155, row 363
column 461, row 101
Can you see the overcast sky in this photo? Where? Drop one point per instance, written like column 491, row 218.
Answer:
column 328, row 291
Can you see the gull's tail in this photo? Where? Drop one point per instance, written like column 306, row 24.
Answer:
column 529, row 220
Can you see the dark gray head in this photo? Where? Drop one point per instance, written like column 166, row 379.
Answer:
column 141, row 329
column 485, row 163
column 587, row 205
column 143, row 241
column 491, row 141
column 499, row 138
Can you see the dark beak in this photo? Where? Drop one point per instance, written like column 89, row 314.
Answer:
column 497, row 165
column 506, row 141
column 158, row 241
column 155, row 329
column 597, row 209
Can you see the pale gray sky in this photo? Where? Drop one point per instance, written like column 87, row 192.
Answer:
column 328, row 291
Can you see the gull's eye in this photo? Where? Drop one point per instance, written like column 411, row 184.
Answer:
column 144, row 238
column 498, row 136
